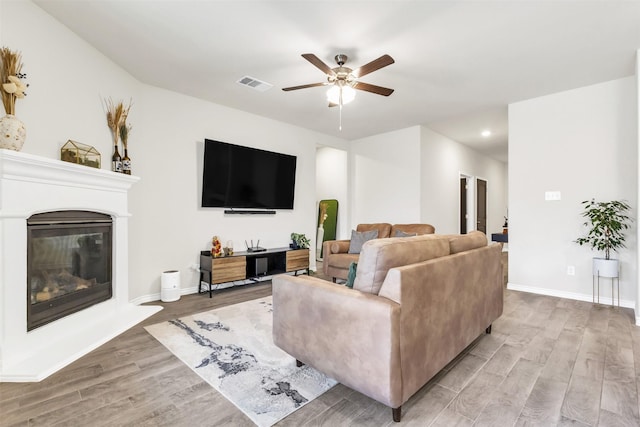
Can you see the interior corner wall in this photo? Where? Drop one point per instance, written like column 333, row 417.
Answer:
column 384, row 178
column 167, row 229
column 332, row 183
column 582, row 143
column 68, row 82
column 637, row 287
column 443, row 160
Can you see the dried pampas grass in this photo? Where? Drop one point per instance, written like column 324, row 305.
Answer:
column 323, row 212
column 116, row 116
column 10, row 77
column 124, row 133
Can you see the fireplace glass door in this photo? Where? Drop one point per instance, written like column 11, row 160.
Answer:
column 68, row 264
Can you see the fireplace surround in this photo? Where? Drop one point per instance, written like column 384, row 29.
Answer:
column 31, row 185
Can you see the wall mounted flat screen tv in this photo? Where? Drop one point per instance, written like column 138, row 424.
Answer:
column 242, row 177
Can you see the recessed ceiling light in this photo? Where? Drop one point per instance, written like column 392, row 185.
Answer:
column 486, row 133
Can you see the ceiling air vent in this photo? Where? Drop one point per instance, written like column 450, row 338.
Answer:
column 254, row 83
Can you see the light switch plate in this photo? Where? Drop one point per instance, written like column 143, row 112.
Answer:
column 552, row 195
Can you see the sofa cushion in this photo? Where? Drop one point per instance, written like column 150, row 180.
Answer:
column 412, row 228
column 384, row 229
column 400, row 233
column 466, row 242
column 379, row 255
column 358, row 238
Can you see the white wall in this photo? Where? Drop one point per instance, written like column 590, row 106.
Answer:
column 582, row 143
column 412, row 175
column 168, row 158
column 332, row 181
column 384, row 178
column 2, row 12
column 68, row 81
column 443, row 160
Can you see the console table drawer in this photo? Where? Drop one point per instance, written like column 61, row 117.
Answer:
column 228, row 269
column 298, row 259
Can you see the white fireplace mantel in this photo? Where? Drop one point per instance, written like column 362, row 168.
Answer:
column 31, row 184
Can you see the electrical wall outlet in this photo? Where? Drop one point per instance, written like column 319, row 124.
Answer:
column 571, row 270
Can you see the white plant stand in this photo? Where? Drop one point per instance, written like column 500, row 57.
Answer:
column 609, row 268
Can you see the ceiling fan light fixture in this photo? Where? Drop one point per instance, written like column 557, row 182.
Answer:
column 333, row 94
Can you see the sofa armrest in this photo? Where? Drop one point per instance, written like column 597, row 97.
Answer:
column 332, row 247
column 336, row 246
column 346, row 334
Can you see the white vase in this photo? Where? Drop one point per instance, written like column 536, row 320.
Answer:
column 12, row 132
column 319, row 240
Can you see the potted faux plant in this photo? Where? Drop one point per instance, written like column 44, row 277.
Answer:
column 606, row 222
column 300, row 241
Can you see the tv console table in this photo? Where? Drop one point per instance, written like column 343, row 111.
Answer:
column 249, row 265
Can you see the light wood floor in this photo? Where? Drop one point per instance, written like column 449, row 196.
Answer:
column 549, row 361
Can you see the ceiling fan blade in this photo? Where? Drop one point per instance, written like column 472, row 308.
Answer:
column 319, row 64
column 286, row 89
column 372, row 66
column 379, row 90
column 331, row 104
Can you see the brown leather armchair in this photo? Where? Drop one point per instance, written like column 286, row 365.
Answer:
column 337, row 259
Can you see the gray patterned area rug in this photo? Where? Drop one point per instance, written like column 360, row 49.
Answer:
column 232, row 349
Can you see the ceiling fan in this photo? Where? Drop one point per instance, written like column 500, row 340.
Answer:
column 343, row 79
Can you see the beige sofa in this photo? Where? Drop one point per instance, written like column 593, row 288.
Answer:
column 417, row 302
column 337, row 259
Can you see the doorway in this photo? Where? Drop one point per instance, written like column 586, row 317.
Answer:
column 481, row 205
column 473, row 204
column 464, row 215
column 467, row 203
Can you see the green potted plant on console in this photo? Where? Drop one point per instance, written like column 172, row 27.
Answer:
column 606, row 222
column 300, row 241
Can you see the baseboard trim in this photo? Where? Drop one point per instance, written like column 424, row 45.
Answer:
column 569, row 295
column 157, row 296
column 194, row 289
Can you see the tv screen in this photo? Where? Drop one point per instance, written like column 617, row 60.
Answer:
column 242, row 177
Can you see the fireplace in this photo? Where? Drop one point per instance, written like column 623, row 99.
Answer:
column 64, row 246
column 68, row 264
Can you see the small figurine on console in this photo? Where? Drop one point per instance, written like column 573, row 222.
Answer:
column 216, row 247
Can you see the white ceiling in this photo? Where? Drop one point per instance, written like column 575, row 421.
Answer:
column 458, row 64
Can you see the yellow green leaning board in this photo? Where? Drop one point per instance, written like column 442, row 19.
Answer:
column 331, row 220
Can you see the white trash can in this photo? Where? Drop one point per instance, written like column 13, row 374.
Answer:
column 170, row 286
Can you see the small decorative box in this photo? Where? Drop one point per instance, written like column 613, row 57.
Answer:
column 76, row 152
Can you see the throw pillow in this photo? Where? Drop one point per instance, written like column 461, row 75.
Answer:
column 351, row 276
column 358, row 239
column 400, row 233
